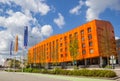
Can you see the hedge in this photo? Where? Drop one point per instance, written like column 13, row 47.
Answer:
column 82, row 72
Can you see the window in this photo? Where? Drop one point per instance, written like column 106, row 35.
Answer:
column 70, row 36
column 83, row 39
column 83, row 45
column 89, row 30
column 82, row 32
column 89, row 36
column 112, row 31
column 60, row 39
column 75, row 34
column 60, row 44
column 61, row 50
column 83, row 51
column 65, row 38
column 91, row 51
column 57, row 40
column 91, row 43
column 65, row 49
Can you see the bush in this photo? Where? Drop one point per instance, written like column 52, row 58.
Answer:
column 44, row 71
column 110, row 74
column 85, row 72
column 82, row 72
column 36, row 71
column 57, row 70
column 27, row 69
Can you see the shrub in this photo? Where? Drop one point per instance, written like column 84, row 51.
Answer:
column 57, row 70
column 110, row 74
column 82, row 72
column 44, row 71
column 36, row 71
column 27, row 69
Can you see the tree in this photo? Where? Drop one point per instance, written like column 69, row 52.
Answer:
column 12, row 61
column 73, row 47
column 106, row 44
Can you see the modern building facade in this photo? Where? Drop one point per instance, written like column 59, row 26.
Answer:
column 96, row 42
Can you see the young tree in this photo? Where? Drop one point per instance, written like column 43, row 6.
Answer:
column 73, row 47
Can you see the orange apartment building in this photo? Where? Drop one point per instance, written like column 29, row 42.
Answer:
column 96, row 42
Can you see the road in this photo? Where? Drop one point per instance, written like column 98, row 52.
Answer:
column 14, row 76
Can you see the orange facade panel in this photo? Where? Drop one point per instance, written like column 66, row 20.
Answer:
column 57, row 48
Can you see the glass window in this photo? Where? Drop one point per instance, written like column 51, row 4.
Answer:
column 82, row 32
column 83, row 45
column 52, row 43
column 112, row 31
column 89, row 36
column 91, row 51
column 83, row 39
column 65, row 38
column 75, row 34
column 60, row 39
column 70, row 36
column 60, row 44
column 83, row 51
column 89, row 30
column 91, row 43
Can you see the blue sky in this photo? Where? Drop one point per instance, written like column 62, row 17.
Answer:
column 50, row 17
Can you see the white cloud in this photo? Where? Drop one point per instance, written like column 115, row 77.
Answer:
column 60, row 20
column 16, row 19
column 14, row 25
column 96, row 7
column 46, row 30
column 36, row 6
column 116, row 38
column 76, row 9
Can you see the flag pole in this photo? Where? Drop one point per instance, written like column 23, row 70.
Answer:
column 11, row 49
column 22, row 59
column 15, row 49
column 25, row 42
column 14, row 61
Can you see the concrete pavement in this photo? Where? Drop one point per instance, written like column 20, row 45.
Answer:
column 14, row 76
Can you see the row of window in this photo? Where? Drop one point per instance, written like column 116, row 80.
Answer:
column 83, row 46
column 90, row 44
column 88, row 30
column 70, row 36
column 76, row 34
column 91, row 51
